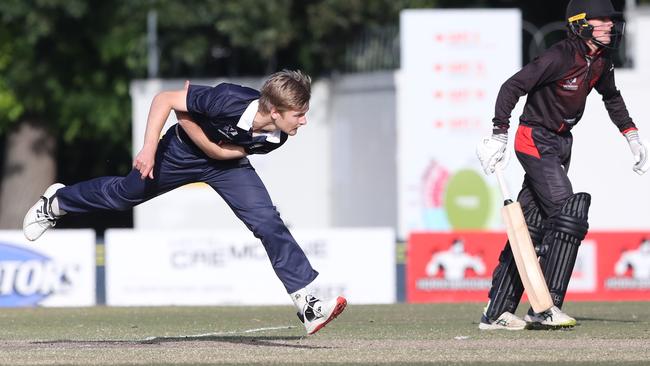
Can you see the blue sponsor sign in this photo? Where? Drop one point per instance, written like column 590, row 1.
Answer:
column 27, row 277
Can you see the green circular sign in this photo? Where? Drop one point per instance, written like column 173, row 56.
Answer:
column 467, row 200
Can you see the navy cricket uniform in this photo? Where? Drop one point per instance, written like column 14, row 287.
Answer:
column 225, row 113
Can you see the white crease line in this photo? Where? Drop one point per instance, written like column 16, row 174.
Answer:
column 269, row 328
column 217, row 334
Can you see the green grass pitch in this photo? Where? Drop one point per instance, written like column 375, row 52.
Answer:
column 608, row 334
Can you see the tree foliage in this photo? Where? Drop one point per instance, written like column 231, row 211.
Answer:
column 69, row 63
column 65, row 64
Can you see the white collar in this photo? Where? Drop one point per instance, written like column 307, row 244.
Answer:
column 246, row 123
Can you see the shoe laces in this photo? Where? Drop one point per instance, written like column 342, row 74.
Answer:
column 548, row 314
column 311, row 311
column 505, row 319
column 45, row 211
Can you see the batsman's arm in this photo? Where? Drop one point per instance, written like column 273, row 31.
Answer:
column 210, row 148
column 618, row 113
column 547, row 67
column 613, row 100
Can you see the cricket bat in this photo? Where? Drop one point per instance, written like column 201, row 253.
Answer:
column 523, row 250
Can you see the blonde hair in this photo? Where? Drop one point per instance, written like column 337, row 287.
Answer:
column 285, row 90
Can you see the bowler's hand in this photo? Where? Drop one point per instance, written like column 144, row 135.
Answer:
column 639, row 151
column 491, row 150
column 144, row 162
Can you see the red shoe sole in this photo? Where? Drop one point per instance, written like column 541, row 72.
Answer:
column 341, row 303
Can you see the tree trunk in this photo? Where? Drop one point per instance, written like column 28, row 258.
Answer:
column 29, row 168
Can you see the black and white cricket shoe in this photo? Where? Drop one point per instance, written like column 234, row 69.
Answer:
column 506, row 321
column 553, row 318
column 317, row 313
column 40, row 217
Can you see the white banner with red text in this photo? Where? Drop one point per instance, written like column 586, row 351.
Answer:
column 453, row 62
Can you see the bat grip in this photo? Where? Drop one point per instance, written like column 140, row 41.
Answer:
column 502, row 184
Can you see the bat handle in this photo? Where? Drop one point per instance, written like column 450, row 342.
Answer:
column 503, row 185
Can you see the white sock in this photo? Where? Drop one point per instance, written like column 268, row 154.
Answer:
column 56, row 210
column 299, row 298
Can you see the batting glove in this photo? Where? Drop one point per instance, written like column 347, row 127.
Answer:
column 491, row 150
column 639, row 151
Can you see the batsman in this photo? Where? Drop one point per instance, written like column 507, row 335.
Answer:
column 557, row 84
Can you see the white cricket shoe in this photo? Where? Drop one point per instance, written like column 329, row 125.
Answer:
column 39, row 218
column 506, row 321
column 551, row 318
column 317, row 313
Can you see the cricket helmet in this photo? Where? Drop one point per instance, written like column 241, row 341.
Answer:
column 579, row 11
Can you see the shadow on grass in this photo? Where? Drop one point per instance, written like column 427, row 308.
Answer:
column 536, row 326
column 264, row 341
column 579, row 319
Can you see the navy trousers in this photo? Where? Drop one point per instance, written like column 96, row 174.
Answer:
column 179, row 162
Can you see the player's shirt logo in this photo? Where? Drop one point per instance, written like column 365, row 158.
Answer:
column 229, row 132
column 570, row 84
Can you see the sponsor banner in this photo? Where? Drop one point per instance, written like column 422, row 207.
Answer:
column 455, row 267
column 56, row 270
column 446, row 90
column 449, row 267
column 622, row 270
column 232, row 268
